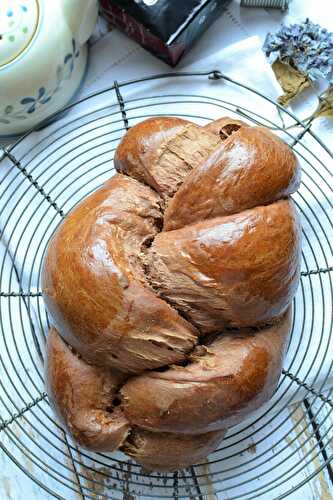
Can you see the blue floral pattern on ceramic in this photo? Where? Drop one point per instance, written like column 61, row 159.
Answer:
column 19, row 21
column 33, row 102
column 30, row 104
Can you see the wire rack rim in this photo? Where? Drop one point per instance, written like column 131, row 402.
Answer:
column 214, row 74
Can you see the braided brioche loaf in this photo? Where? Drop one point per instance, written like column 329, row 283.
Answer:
column 169, row 290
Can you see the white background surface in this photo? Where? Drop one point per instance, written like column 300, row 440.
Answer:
column 115, row 57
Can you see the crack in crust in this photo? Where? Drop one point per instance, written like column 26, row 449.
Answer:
column 149, row 277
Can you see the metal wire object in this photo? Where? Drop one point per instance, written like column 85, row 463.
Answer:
column 42, row 177
column 267, row 4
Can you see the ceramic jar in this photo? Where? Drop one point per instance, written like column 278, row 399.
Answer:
column 43, row 57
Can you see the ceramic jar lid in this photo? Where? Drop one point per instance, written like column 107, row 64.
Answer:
column 18, row 24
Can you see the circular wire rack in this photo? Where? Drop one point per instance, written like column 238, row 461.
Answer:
column 47, row 172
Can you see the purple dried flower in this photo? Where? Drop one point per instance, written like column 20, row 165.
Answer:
column 307, row 47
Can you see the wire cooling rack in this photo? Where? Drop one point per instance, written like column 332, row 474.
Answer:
column 43, row 175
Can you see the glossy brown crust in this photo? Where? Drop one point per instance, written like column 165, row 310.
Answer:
column 251, row 167
column 223, row 383
column 168, row 451
column 144, row 139
column 82, row 396
column 130, row 373
column 93, row 284
column 162, row 151
column 239, row 270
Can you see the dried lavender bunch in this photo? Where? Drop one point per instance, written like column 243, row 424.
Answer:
column 307, row 47
column 300, row 54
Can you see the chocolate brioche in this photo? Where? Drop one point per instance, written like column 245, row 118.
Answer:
column 169, row 290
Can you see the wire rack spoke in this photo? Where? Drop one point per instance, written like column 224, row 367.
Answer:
column 25, row 409
column 121, row 105
column 33, row 181
column 21, row 294
column 321, row 270
column 308, row 388
column 72, row 461
column 301, row 134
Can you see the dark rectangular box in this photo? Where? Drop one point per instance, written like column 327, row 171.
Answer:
column 167, row 28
